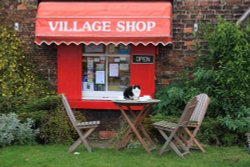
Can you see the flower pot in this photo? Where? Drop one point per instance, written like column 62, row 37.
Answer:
column 106, row 134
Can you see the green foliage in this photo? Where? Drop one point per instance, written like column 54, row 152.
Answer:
column 56, row 128
column 51, row 119
column 19, row 80
column 173, row 98
column 21, row 86
column 39, row 109
column 12, row 131
column 223, row 72
column 227, row 71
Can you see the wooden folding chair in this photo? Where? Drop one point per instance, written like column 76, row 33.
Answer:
column 84, row 129
column 196, row 120
column 172, row 131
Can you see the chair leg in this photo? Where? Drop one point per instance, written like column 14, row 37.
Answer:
column 82, row 139
column 183, row 139
column 75, row 145
column 193, row 139
column 170, row 143
column 182, row 145
column 166, row 143
column 177, row 151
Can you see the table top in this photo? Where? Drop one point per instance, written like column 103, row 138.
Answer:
column 136, row 102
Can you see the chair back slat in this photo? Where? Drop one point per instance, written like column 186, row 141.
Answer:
column 200, row 109
column 188, row 111
column 68, row 110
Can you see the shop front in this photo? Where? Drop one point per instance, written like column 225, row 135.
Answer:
column 103, row 47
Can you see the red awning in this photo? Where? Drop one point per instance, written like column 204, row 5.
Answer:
column 104, row 22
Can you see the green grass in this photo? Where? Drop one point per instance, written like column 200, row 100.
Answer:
column 57, row 156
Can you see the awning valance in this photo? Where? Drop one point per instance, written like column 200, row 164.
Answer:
column 104, row 22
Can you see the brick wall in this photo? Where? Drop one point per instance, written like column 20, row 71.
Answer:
column 172, row 60
column 12, row 12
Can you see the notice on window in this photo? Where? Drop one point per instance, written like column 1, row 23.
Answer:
column 100, row 67
column 124, row 67
column 96, row 60
column 114, row 70
column 90, row 63
column 117, row 60
column 123, row 59
column 100, row 77
column 88, row 86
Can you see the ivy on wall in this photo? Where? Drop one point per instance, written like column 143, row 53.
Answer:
column 19, row 80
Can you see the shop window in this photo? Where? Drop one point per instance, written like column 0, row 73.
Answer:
column 106, row 71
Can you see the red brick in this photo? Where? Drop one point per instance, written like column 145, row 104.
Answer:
column 188, row 43
column 188, row 30
column 165, row 81
column 22, row 6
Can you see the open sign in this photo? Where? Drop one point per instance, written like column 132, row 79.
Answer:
column 143, row 59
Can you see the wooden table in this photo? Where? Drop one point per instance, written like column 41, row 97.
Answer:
column 135, row 125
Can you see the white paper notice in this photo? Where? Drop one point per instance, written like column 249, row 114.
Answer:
column 88, row 86
column 99, row 77
column 124, row 67
column 114, row 70
column 96, row 60
column 116, row 60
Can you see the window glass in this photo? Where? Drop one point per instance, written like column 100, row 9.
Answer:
column 107, row 74
column 118, row 78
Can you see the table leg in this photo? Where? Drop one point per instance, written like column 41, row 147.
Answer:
column 147, row 136
column 135, row 130
column 129, row 132
column 137, row 122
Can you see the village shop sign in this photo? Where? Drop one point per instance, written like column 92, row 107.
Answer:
column 111, row 27
column 103, row 22
column 101, row 26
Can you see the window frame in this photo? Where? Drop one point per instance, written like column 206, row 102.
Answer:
column 104, row 95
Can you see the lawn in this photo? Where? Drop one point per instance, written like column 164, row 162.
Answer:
column 57, row 156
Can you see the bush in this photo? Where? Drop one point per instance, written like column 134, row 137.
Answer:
column 173, row 98
column 51, row 119
column 224, row 74
column 38, row 109
column 57, row 128
column 12, row 131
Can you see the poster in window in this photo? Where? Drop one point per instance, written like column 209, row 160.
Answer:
column 117, row 59
column 91, row 48
column 114, row 70
column 111, row 49
column 100, row 77
column 123, row 49
column 100, row 67
column 90, row 63
column 124, row 67
column 96, row 60
column 88, row 86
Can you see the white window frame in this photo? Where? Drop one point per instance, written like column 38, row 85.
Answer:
column 103, row 95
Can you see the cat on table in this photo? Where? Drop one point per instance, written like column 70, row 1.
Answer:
column 132, row 92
